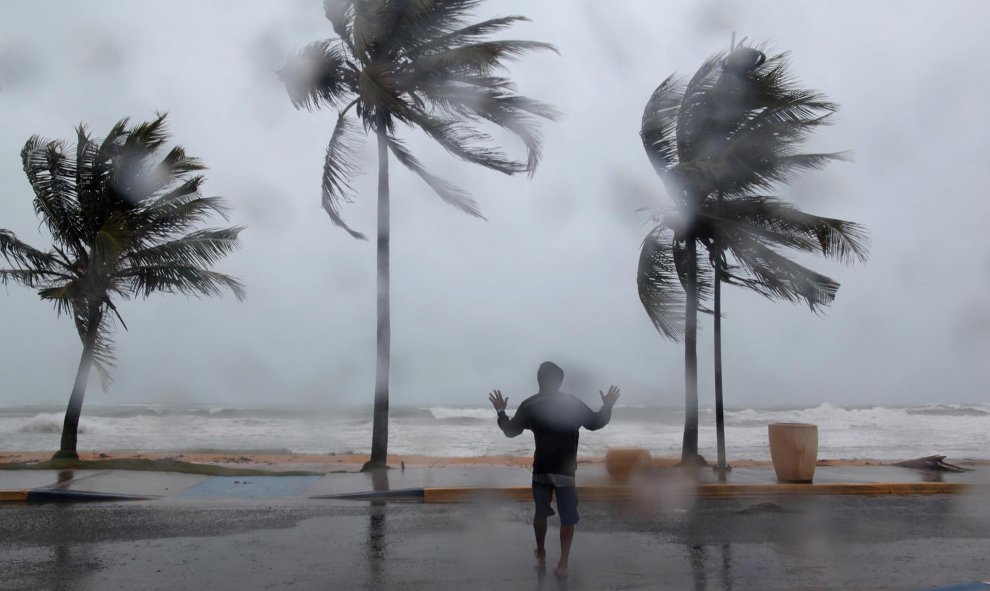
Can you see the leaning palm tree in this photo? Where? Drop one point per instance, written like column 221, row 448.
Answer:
column 718, row 143
column 124, row 219
column 416, row 64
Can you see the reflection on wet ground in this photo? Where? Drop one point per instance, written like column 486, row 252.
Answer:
column 550, row 582
column 377, row 546
column 909, row 542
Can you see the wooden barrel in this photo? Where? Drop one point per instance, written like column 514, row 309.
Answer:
column 622, row 462
column 794, row 451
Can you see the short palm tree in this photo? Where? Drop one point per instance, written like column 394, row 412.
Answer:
column 718, row 143
column 123, row 216
column 416, row 64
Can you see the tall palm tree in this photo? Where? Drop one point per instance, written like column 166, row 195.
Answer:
column 123, row 218
column 418, row 63
column 718, row 143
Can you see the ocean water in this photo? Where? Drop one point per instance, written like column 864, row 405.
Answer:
column 886, row 433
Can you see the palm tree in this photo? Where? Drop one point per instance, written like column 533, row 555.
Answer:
column 123, row 220
column 718, row 142
column 420, row 64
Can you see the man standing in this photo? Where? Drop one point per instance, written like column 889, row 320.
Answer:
column 554, row 417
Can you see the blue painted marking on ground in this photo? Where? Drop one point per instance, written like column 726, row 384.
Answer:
column 963, row 587
column 250, row 486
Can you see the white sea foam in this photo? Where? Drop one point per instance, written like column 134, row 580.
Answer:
column 959, row 431
column 444, row 412
column 52, row 423
column 43, row 423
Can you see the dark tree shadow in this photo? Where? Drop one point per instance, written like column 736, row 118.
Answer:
column 725, row 573
column 72, row 564
column 696, row 556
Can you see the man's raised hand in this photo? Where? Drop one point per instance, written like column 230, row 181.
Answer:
column 610, row 398
column 497, row 401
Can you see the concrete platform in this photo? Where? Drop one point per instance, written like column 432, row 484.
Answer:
column 12, row 480
column 473, row 477
column 130, row 482
column 17, row 485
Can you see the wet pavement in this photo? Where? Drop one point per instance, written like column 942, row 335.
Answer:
column 816, row 542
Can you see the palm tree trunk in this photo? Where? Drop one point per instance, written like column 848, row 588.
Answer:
column 379, row 429
column 70, row 425
column 689, row 447
column 719, row 416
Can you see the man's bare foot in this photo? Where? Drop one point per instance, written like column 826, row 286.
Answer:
column 541, row 556
column 561, row 570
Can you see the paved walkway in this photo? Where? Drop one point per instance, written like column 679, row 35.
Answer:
column 458, row 484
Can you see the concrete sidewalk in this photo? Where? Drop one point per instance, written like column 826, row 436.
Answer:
column 461, row 484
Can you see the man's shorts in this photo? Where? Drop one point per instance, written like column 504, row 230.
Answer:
column 567, row 501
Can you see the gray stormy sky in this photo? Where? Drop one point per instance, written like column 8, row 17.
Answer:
column 551, row 274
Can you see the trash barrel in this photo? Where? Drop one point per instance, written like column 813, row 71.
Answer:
column 623, row 462
column 794, row 451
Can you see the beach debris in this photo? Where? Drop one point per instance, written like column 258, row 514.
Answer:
column 934, row 463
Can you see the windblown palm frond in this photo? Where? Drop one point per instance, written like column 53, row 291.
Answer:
column 695, row 125
column 465, row 35
column 703, row 276
column 423, row 64
column 775, row 276
column 52, row 174
column 659, row 286
column 339, row 170
column 318, row 76
column 763, row 118
column 448, row 192
column 658, row 129
column 34, row 263
column 662, row 277
column 778, row 222
column 185, row 279
column 122, row 217
column 735, row 129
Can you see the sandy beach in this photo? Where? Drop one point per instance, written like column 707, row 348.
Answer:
column 353, row 462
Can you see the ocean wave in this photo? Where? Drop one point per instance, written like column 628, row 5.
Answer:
column 447, row 412
column 823, row 414
column 624, row 413
column 52, row 423
column 949, row 410
column 854, row 417
column 844, row 432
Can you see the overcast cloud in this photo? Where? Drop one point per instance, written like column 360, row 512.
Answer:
column 551, row 274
